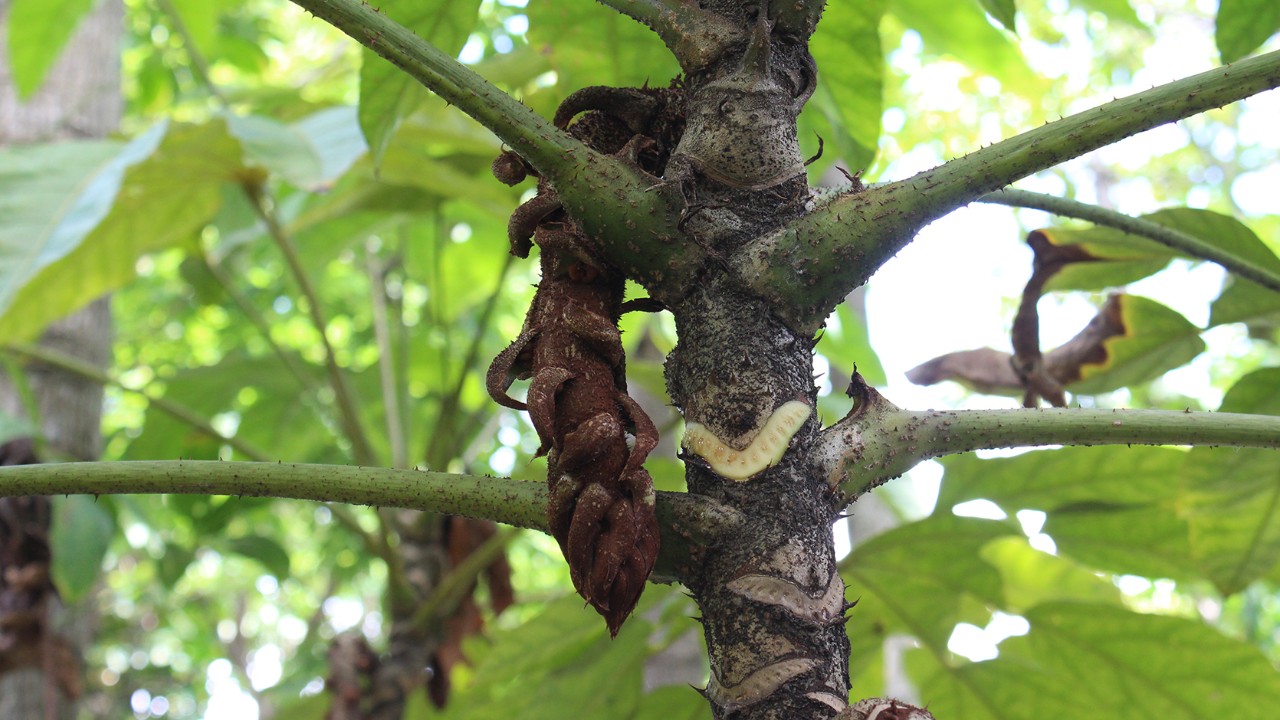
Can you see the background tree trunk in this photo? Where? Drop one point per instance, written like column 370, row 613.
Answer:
column 80, row 98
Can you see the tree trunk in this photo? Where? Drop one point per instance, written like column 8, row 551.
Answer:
column 771, row 598
column 80, row 98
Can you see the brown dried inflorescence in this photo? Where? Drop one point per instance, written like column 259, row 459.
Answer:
column 595, row 436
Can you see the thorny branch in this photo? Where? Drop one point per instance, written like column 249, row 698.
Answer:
column 810, row 265
column 878, row 441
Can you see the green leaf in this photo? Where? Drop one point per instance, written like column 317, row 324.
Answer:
column 387, row 93
column 847, row 345
column 961, row 30
column 1085, row 660
column 1155, row 341
column 919, row 577
column 673, row 702
column 848, row 102
column 51, row 196
column 308, row 153
column 1121, row 258
column 1032, row 577
column 335, row 138
column 1232, row 496
column 38, row 30
column 1049, row 479
column 200, row 20
column 1127, row 258
column 1243, row 25
column 1148, row 540
column 167, row 193
column 1115, row 10
column 172, row 565
column 78, row 541
column 1004, row 11
column 1246, row 302
column 563, row 659
column 1112, row 508
column 264, row 550
column 588, row 44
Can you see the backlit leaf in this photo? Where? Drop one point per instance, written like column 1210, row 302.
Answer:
column 38, row 31
column 387, row 93
column 78, row 541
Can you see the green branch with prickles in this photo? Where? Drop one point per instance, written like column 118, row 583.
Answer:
column 685, row 519
column 810, row 265
column 877, row 441
column 633, row 216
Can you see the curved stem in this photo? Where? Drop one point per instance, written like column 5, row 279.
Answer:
column 598, row 191
column 345, row 396
column 372, row 543
column 809, row 266
column 174, row 410
column 260, row 324
column 199, row 63
column 457, row 584
column 1169, row 237
column 877, row 441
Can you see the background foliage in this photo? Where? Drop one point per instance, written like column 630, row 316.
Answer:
column 1142, row 579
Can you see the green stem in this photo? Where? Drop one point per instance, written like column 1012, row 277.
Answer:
column 1169, row 237
column 877, row 441
column 386, row 370
column 599, row 191
column 447, row 424
column 372, row 544
column 686, row 519
column 457, row 584
column 810, row 265
column 509, row 501
column 347, row 411
column 199, row 64
column 259, row 323
column 174, row 410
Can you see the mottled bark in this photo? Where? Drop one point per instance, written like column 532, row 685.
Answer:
column 771, row 599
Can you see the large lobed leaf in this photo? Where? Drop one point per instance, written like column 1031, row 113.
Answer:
column 1082, row 660
column 1232, row 497
column 75, row 217
column 847, row 105
column 1210, row 513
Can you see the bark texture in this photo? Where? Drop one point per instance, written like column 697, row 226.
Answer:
column 772, row 600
